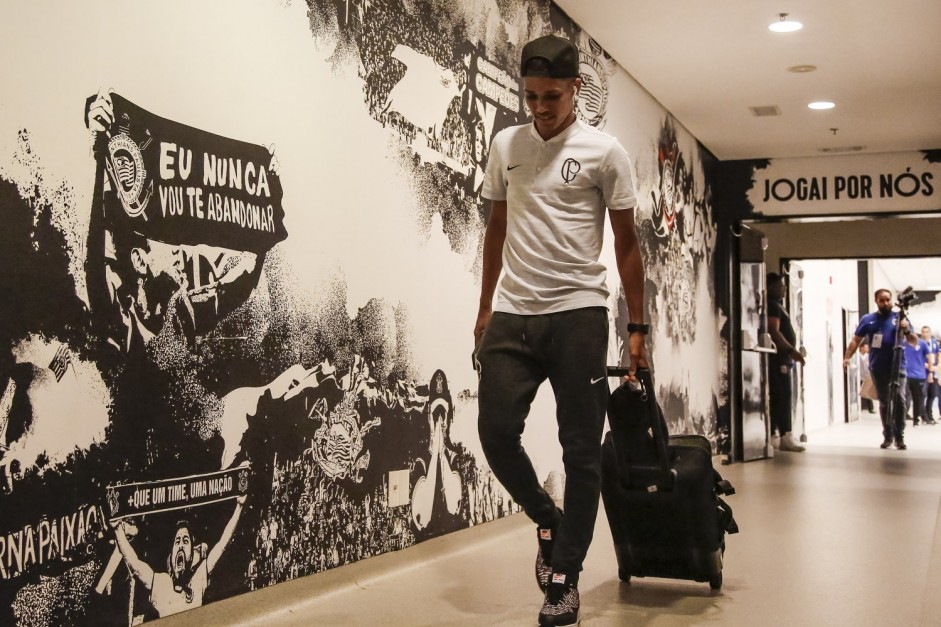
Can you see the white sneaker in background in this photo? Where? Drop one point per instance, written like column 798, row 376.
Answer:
column 790, row 443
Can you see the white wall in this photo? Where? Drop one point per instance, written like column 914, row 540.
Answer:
column 829, row 287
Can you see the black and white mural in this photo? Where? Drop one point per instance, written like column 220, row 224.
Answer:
column 678, row 236
column 239, row 256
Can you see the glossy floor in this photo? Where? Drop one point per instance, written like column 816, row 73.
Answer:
column 843, row 534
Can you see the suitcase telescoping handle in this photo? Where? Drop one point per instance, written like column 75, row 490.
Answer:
column 645, row 387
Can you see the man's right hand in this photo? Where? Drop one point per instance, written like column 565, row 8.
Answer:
column 798, row 356
column 846, row 362
column 483, row 320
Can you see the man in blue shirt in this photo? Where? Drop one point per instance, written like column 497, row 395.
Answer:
column 934, row 348
column 916, row 371
column 879, row 328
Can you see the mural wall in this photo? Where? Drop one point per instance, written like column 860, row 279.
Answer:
column 240, row 249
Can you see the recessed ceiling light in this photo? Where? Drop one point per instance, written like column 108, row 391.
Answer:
column 823, row 104
column 802, row 69
column 784, row 25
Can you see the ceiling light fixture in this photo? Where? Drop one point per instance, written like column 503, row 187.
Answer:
column 784, row 25
column 802, row 69
column 821, row 105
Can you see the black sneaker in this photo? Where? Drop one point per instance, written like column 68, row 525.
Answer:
column 886, row 443
column 900, row 444
column 561, row 605
column 546, row 538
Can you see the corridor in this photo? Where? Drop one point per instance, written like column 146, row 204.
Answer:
column 844, row 534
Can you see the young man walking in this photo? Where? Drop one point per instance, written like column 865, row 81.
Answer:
column 550, row 184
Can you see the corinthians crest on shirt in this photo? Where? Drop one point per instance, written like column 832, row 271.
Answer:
column 125, row 165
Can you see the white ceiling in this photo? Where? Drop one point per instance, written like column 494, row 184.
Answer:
column 707, row 62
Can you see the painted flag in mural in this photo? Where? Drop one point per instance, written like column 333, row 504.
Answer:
column 136, row 499
column 60, row 363
column 425, row 92
column 180, row 185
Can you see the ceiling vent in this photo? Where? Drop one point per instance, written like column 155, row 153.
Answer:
column 765, row 111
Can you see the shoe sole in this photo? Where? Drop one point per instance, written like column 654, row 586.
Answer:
column 578, row 620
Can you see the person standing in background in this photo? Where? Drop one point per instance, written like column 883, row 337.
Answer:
column 916, row 372
column 781, row 363
column 933, row 391
column 865, row 377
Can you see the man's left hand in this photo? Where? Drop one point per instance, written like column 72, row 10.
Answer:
column 637, row 349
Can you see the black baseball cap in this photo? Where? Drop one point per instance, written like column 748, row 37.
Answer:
column 551, row 57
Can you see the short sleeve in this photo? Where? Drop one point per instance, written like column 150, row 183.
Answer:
column 617, row 179
column 494, row 178
column 862, row 329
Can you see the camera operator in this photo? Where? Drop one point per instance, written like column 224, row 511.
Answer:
column 881, row 329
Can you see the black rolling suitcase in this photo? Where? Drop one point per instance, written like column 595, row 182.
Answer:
column 661, row 494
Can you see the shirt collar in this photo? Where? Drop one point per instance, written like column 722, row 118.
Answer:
column 570, row 130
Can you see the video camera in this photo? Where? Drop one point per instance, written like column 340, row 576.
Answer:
column 905, row 298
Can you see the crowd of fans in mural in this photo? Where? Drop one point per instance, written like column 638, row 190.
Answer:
column 314, row 524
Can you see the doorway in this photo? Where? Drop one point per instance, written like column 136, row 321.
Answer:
column 827, row 297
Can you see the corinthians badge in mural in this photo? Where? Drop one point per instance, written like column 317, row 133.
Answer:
column 595, row 67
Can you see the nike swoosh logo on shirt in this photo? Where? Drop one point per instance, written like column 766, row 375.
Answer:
column 512, row 167
column 594, row 381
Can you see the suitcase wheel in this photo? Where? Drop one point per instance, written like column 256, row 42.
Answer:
column 715, row 582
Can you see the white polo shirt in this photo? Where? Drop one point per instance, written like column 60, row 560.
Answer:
column 556, row 193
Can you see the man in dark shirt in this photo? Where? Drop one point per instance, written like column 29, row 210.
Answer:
column 781, row 363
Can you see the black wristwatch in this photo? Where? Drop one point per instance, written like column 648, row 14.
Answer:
column 638, row 328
